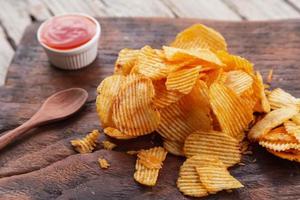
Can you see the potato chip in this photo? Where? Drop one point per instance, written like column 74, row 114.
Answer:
column 189, row 114
column 233, row 114
column 150, row 159
column 164, row 97
column 293, row 129
column 203, row 57
column 174, row 147
column 270, row 76
column 259, row 90
column 215, row 75
column 126, row 61
column 115, row 133
column 143, row 174
column 238, row 81
column 150, row 64
column 279, row 99
column 103, row 163
column 279, row 146
column 108, row 145
column 296, row 119
column 86, row 144
column 200, row 36
column 292, row 156
column 107, row 92
column 270, row 121
column 213, row 143
column 278, row 135
column 133, row 113
column 183, row 80
column 234, row 62
column 217, row 178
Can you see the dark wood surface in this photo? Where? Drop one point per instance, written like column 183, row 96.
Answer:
column 42, row 165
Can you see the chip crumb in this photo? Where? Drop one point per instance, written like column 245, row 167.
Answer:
column 103, row 163
column 254, row 160
column 132, row 152
column 229, row 191
column 247, row 152
column 86, row 144
column 108, row 145
column 241, row 164
column 270, row 76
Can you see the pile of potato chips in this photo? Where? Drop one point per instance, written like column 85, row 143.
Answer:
column 203, row 101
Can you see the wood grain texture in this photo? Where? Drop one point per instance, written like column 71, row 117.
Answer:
column 213, row 9
column 263, row 10
column 6, row 54
column 42, row 165
column 38, row 10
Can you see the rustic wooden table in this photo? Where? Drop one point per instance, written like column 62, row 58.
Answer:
column 16, row 15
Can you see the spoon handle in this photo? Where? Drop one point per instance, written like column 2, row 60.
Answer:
column 12, row 135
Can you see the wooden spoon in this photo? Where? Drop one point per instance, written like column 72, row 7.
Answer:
column 57, row 107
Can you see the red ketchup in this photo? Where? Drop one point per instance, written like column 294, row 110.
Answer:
column 67, row 32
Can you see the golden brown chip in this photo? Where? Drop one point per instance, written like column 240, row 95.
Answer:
column 164, row 97
column 233, row 114
column 239, row 81
column 262, row 104
column 215, row 75
column 174, row 147
column 279, row 135
column 150, row 64
column 270, row 76
column 279, row 146
column 103, row 163
column 234, row 62
column 183, row 80
column 86, row 144
column 217, row 178
column 203, row 57
column 292, row 156
column 296, row 119
column 133, row 113
column 189, row 114
column 293, row 129
column 200, row 36
column 143, row 174
column 270, row 121
column 278, row 98
column 213, row 143
column 107, row 92
column 115, row 133
column 126, row 61
column 188, row 181
column 108, row 145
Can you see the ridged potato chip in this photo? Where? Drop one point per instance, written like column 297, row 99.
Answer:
column 292, row 156
column 233, row 114
column 174, row 147
column 133, row 112
column 200, row 36
column 279, row 146
column 293, row 129
column 278, row 135
column 107, row 92
column 214, row 76
column 188, row 181
column 126, row 61
column 262, row 104
column 115, row 133
column 217, row 178
column 151, row 64
column 270, row 121
column 234, row 62
column 239, row 81
column 164, row 97
column 145, row 175
column 296, row 119
column 183, row 80
column 86, row 144
column 278, row 98
column 199, row 56
column 213, row 143
column 189, row 114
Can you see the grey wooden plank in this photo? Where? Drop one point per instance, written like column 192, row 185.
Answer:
column 6, row 54
column 213, row 9
column 263, row 10
column 295, row 3
column 91, row 7
column 136, row 8
column 14, row 18
column 38, row 9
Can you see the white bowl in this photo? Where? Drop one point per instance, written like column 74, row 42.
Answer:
column 75, row 58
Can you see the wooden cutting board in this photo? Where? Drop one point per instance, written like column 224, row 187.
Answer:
column 43, row 165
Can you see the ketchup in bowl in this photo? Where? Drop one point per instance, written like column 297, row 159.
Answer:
column 67, row 32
